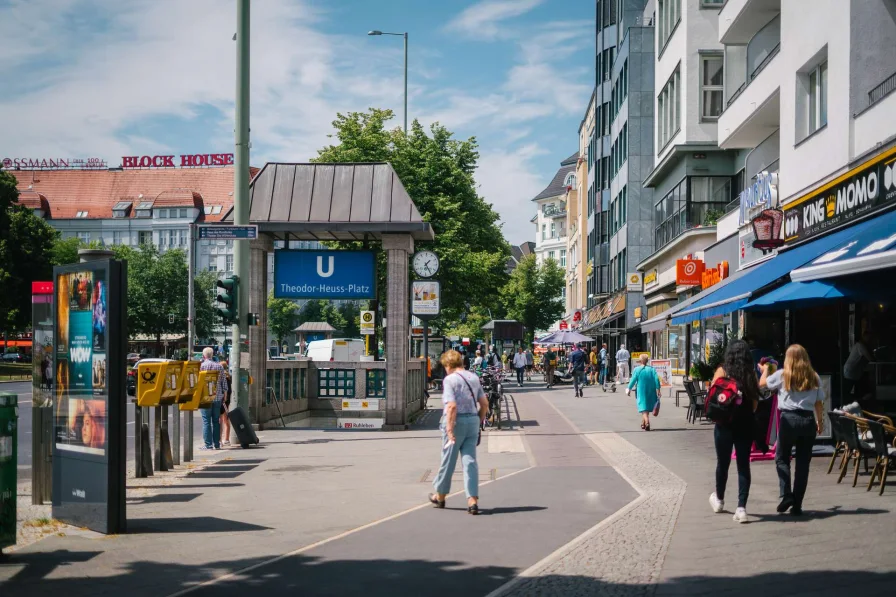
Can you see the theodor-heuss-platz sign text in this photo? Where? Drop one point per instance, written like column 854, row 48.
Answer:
column 762, row 194
column 324, row 275
column 860, row 191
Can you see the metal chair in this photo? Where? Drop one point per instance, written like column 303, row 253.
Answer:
column 886, row 453
column 857, row 448
column 697, row 400
column 840, row 447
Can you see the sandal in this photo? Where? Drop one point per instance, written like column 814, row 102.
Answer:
column 643, row 426
column 435, row 501
column 647, row 428
column 474, row 509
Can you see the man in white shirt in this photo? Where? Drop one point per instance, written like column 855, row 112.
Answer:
column 623, row 357
column 519, row 363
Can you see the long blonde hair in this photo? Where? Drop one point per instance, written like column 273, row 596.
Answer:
column 799, row 376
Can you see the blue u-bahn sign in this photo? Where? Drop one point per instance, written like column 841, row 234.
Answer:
column 324, row 274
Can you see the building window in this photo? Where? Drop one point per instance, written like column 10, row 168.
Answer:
column 213, row 265
column 669, row 13
column 120, row 238
column 562, row 257
column 818, row 97
column 182, row 237
column 695, row 201
column 553, row 229
column 551, row 254
column 84, row 237
column 228, row 264
column 712, row 81
column 668, row 110
column 570, row 180
column 544, row 232
column 182, row 212
column 712, row 3
column 144, row 237
column 161, row 213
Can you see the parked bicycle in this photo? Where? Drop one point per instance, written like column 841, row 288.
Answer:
column 492, row 380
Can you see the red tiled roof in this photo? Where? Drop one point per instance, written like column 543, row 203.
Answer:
column 66, row 192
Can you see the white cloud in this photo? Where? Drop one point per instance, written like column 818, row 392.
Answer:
column 509, row 180
column 484, row 19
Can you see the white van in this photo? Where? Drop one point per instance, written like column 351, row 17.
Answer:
column 335, row 350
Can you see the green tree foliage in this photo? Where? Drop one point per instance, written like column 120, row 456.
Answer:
column 352, row 317
column 26, row 243
column 438, row 173
column 204, row 292
column 65, row 250
column 282, row 315
column 470, row 326
column 533, row 294
column 322, row 310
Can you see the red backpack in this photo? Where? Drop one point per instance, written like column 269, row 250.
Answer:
column 722, row 400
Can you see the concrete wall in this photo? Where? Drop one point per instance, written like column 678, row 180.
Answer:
column 872, row 28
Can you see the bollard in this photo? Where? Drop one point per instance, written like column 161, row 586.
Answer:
column 9, row 414
column 142, row 460
column 42, row 454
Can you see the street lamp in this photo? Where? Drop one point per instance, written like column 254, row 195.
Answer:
column 405, row 36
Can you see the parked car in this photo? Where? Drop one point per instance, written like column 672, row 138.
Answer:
column 345, row 349
column 16, row 357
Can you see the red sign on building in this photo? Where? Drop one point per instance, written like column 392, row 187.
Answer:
column 186, row 161
column 688, row 272
column 41, row 288
column 564, row 325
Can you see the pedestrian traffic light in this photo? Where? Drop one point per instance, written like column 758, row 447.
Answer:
column 230, row 297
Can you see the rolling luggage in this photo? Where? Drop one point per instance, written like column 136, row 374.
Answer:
column 240, row 422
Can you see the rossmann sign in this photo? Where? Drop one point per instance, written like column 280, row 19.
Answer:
column 860, row 191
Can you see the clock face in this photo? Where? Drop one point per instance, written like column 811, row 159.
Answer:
column 426, row 264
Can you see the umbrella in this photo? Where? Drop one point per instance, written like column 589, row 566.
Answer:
column 564, row 337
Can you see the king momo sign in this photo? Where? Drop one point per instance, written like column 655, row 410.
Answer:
column 860, row 191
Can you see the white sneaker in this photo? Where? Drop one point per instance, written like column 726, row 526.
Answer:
column 740, row 515
column 716, row 504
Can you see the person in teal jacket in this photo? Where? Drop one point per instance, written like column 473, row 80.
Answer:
column 646, row 379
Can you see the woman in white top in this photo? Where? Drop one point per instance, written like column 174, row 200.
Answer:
column 799, row 394
column 477, row 363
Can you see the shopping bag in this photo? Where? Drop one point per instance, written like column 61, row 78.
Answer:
column 656, row 409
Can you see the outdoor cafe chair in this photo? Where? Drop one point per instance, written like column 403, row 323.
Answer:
column 697, row 401
column 886, row 452
column 858, row 449
column 840, row 447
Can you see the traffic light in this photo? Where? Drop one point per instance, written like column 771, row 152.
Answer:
column 230, row 297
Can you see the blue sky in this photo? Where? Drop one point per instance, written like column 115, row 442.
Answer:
column 86, row 78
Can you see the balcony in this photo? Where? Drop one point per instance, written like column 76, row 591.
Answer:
column 555, row 210
column 740, row 20
column 753, row 111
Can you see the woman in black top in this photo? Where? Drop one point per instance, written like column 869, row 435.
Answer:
column 738, row 434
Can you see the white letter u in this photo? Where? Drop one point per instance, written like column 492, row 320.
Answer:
column 320, row 267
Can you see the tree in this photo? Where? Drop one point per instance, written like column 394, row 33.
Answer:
column 352, row 317
column 438, row 173
column 203, row 303
column 26, row 243
column 65, row 250
column 534, row 294
column 281, row 317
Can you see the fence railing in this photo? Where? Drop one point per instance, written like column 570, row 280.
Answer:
column 885, row 88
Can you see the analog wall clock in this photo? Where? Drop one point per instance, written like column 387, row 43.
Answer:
column 426, row 264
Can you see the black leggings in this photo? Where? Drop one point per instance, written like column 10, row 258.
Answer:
column 742, row 441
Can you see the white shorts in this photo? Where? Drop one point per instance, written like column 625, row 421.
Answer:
column 621, row 371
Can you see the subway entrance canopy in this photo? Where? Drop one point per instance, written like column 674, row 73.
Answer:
column 335, row 202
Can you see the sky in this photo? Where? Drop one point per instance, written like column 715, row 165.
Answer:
column 106, row 78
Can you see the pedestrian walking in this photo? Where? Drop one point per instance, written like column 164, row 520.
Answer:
column 594, row 360
column 737, row 366
column 623, row 357
column 506, row 360
column 211, row 424
column 477, row 362
column 519, row 363
column 530, row 363
column 646, row 383
column 577, row 367
column 602, row 356
column 801, row 402
column 225, row 406
column 464, row 409
column 550, row 361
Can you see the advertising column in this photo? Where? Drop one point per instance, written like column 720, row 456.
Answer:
column 88, row 460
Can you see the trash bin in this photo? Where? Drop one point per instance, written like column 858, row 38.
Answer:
column 9, row 414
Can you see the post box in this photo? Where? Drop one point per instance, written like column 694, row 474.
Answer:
column 203, row 392
column 189, row 381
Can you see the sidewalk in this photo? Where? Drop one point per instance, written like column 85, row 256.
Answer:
column 579, row 502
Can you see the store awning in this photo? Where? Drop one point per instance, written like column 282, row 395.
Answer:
column 874, row 248
column 804, row 293
column 655, row 324
column 737, row 294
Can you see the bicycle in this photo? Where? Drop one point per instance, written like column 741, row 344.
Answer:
column 492, row 380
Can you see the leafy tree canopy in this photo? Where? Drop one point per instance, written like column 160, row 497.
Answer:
column 282, row 315
column 437, row 171
column 534, row 294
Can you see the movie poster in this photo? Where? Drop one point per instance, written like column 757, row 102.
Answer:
column 81, row 362
column 42, row 363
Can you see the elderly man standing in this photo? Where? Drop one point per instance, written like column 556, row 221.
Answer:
column 211, row 424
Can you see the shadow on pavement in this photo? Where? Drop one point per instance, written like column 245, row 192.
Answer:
column 164, row 498
column 46, row 574
column 198, row 524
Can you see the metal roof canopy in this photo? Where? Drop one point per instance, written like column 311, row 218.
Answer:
column 332, row 202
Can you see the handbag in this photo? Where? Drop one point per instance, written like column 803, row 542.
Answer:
column 656, row 409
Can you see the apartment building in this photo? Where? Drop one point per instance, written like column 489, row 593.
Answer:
column 577, row 208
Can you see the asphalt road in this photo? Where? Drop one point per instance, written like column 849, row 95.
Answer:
column 23, row 389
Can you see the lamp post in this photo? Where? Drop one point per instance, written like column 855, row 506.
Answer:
column 405, row 36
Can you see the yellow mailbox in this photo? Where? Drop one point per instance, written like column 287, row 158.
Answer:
column 204, row 391
column 189, row 381
column 171, row 387
column 153, row 383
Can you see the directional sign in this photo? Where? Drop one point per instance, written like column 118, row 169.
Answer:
column 228, row 232
column 324, row 274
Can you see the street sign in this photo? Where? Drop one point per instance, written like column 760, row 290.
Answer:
column 228, row 232
column 324, row 274
column 368, row 324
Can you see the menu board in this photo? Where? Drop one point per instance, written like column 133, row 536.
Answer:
column 81, row 347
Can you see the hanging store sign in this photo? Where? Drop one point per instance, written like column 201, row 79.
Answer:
column 185, row 161
column 711, row 277
column 688, row 272
column 651, row 278
column 747, row 253
column 860, row 191
column 633, row 282
column 564, row 325
column 762, row 194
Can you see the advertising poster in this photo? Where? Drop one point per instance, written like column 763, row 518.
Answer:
column 425, row 297
column 81, row 302
column 42, row 368
column 664, row 370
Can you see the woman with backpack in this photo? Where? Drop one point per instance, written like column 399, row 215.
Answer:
column 647, row 381
column 799, row 394
column 735, row 377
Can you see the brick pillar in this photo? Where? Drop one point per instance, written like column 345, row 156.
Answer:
column 398, row 248
column 258, row 335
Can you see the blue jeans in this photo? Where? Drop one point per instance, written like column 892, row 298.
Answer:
column 602, row 378
column 466, row 434
column 578, row 379
column 211, row 425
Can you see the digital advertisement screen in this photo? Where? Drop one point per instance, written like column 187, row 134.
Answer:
column 81, row 392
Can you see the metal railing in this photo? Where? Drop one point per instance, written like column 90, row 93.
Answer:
column 886, row 87
column 551, row 211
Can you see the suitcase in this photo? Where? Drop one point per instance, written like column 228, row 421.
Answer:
column 240, row 423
